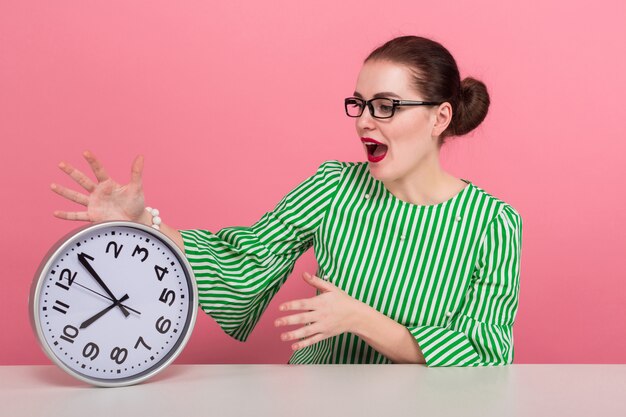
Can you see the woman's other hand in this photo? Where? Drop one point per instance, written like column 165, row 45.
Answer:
column 106, row 199
column 328, row 314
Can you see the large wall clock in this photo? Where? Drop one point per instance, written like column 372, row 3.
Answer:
column 113, row 303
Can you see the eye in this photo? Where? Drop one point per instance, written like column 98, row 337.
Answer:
column 383, row 106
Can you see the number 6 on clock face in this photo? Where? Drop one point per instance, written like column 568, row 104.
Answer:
column 113, row 303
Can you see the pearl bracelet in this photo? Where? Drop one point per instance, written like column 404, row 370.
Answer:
column 156, row 220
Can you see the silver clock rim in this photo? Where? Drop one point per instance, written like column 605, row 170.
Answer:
column 61, row 245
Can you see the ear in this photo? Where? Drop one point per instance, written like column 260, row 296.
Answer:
column 443, row 117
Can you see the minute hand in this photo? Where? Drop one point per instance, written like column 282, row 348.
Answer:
column 82, row 258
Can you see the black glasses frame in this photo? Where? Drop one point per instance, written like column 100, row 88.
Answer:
column 395, row 104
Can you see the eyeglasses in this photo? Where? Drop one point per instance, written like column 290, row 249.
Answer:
column 380, row 108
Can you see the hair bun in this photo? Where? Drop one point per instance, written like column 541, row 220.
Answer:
column 472, row 106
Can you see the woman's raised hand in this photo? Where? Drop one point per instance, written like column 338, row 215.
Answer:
column 107, row 200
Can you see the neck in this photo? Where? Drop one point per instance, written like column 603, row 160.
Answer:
column 426, row 184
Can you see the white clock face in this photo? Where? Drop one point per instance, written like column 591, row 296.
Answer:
column 115, row 303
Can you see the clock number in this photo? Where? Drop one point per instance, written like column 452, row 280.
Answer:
column 160, row 272
column 91, row 351
column 144, row 251
column 165, row 295
column 69, row 333
column 60, row 306
column 119, row 355
column 67, row 275
column 140, row 340
column 116, row 250
column 163, row 325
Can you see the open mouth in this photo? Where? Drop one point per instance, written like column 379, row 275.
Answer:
column 375, row 152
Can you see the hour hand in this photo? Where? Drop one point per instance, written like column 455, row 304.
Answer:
column 82, row 258
column 92, row 319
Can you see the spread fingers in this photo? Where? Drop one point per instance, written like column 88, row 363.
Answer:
column 78, row 176
column 70, row 194
column 137, row 169
column 69, row 215
column 96, row 166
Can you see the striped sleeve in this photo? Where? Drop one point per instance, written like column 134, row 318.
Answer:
column 481, row 332
column 239, row 269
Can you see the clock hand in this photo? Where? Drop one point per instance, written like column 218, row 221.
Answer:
column 104, row 296
column 101, row 295
column 82, row 258
column 95, row 317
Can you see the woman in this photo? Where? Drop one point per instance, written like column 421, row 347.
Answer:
column 415, row 265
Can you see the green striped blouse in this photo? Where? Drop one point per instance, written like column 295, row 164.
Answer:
column 449, row 272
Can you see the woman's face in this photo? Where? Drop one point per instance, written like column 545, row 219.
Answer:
column 408, row 134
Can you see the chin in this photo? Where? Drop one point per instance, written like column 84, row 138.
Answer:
column 376, row 171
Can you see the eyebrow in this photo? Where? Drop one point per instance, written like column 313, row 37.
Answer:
column 377, row 95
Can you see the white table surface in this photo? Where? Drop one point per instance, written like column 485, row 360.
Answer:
column 324, row 390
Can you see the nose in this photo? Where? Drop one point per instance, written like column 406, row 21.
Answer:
column 365, row 121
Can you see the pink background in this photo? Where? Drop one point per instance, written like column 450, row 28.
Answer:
column 233, row 105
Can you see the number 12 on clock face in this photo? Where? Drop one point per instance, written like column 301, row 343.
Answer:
column 114, row 303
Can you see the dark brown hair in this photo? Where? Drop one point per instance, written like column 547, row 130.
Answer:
column 436, row 77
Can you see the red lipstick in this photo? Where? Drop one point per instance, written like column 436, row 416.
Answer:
column 376, row 151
